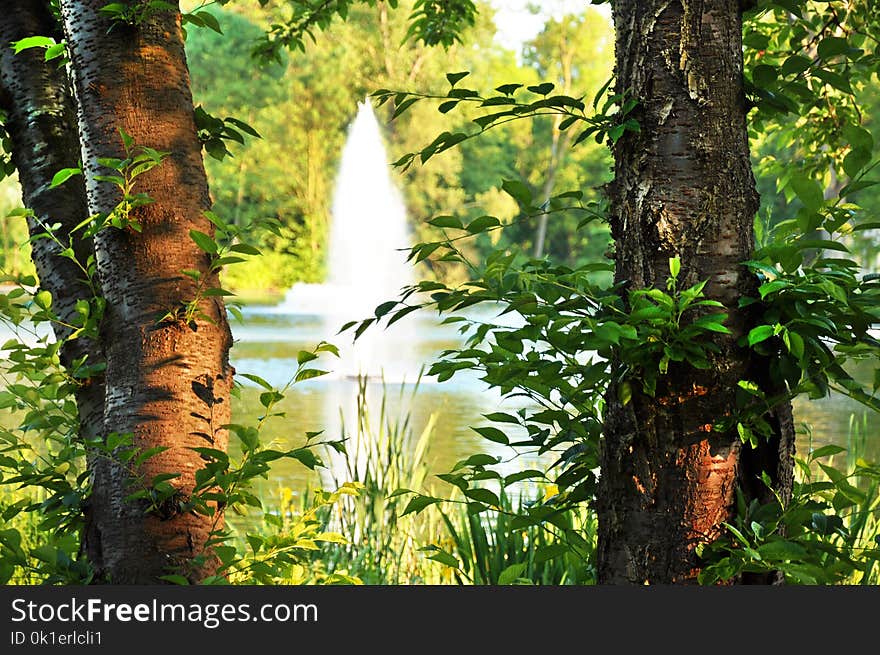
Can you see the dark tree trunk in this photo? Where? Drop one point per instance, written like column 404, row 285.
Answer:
column 683, row 186
column 168, row 381
column 41, row 122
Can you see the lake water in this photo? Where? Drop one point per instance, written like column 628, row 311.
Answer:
column 268, row 343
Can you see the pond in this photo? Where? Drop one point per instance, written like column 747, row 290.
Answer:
column 267, row 345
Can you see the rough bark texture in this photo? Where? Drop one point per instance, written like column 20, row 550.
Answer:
column 683, row 186
column 167, row 382
column 41, row 123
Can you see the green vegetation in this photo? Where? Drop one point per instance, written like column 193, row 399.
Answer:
column 504, row 162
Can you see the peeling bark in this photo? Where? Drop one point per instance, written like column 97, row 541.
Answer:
column 167, row 382
column 683, row 187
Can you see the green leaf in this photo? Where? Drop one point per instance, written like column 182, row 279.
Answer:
column 43, row 299
column 518, row 191
column 209, row 21
column 419, row 503
column 759, row 334
column 446, row 222
column 445, row 558
column 45, row 554
column 808, row 191
column 258, row 380
column 794, row 342
column 455, row 78
column 216, row 291
column 325, row 347
column 500, row 417
column 244, row 127
column 32, row 42
column 216, row 149
column 855, row 161
column 825, row 244
column 796, row 64
column 745, row 434
column 480, row 459
column 512, row 573
column 484, row 496
column 529, row 474
column 244, row 248
column 492, row 434
column 858, row 137
column 831, row 46
column 839, row 82
column 826, row 451
column 782, row 550
column 482, row 224
column 764, row 75
column 308, row 374
column 542, row 89
column 674, row 266
column 63, row 175
column 53, row 52
column 306, row 457
column 203, row 241
column 384, row 308
column 508, row 89
column 127, row 139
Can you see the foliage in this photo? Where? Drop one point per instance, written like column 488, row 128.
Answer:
column 388, row 541
column 557, row 355
column 283, row 550
column 828, row 533
column 812, row 318
column 503, row 547
column 809, row 67
column 431, row 22
column 382, row 455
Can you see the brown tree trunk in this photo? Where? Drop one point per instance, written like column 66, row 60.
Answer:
column 41, row 123
column 683, row 186
column 167, row 381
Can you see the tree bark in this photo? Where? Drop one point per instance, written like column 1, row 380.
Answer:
column 41, row 123
column 168, row 381
column 683, row 187
column 559, row 144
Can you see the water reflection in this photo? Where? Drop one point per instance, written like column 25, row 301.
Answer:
column 268, row 345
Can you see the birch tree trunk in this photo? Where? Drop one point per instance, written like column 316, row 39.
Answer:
column 41, row 123
column 167, row 381
column 683, row 187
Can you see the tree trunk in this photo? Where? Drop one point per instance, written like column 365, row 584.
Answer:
column 683, row 186
column 41, row 123
column 168, row 381
column 547, row 192
column 559, row 144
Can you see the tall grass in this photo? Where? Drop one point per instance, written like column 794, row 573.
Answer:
column 498, row 549
column 852, row 488
column 383, row 454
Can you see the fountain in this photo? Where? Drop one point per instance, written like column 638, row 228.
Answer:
column 366, row 260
